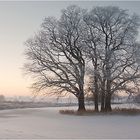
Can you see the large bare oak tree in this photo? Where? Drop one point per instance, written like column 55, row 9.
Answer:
column 56, row 57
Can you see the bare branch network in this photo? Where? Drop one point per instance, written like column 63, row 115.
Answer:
column 100, row 44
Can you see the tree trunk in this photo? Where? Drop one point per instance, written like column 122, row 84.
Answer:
column 103, row 96
column 96, row 102
column 81, row 102
column 103, row 101
column 96, row 97
column 108, row 103
column 108, row 97
column 96, row 94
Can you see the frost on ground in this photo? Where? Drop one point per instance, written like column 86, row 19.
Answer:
column 48, row 123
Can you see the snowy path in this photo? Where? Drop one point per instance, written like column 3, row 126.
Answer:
column 48, row 123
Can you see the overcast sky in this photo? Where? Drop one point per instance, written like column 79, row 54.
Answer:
column 18, row 22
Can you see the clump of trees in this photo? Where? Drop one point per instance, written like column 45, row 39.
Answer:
column 2, row 98
column 100, row 44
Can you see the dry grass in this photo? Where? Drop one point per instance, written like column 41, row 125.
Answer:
column 74, row 112
column 116, row 111
column 126, row 111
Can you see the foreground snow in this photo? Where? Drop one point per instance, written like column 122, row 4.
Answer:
column 48, row 123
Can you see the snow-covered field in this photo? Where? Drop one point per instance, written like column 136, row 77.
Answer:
column 48, row 123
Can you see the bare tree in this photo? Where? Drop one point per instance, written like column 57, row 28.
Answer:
column 104, row 36
column 112, row 45
column 92, row 39
column 55, row 55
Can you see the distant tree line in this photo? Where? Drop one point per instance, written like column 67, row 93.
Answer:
column 100, row 44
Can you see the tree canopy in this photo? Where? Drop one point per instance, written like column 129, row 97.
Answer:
column 59, row 55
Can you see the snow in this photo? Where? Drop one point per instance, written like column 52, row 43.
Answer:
column 48, row 123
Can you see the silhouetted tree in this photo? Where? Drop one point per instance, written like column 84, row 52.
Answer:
column 55, row 55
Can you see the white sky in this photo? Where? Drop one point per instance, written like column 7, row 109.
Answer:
column 19, row 21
